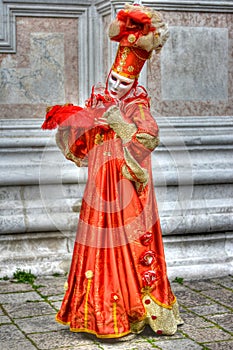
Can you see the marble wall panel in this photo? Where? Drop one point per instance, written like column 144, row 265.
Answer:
column 44, row 70
column 197, row 69
column 190, row 102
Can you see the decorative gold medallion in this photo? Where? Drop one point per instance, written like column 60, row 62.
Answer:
column 99, row 139
column 119, row 69
column 130, row 69
column 131, row 38
column 89, row 274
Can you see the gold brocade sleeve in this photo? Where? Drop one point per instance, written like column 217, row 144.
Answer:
column 123, row 129
column 64, row 141
column 148, row 141
column 142, row 143
column 133, row 171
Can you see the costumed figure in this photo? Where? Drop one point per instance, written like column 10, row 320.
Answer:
column 118, row 281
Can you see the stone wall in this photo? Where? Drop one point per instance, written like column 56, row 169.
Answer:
column 53, row 52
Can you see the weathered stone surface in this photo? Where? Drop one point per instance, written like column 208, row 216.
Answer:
column 225, row 321
column 52, row 286
column 189, row 298
column 201, row 285
column 62, row 338
column 4, row 319
column 192, row 183
column 56, row 304
column 209, row 309
column 37, row 320
column 55, row 298
column 225, row 281
column 194, row 64
column 184, row 344
column 38, row 324
column 12, row 338
column 207, row 334
column 142, row 345
column 11, row 287
column 224, row 297
column 43, row 82
column 29, row 309
column 220, row 345
column 194, row 321
column 18, row 298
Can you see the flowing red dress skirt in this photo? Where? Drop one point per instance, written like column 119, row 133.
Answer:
column 118, row 281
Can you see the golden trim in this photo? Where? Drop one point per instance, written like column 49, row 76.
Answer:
column 141, row 112
column 86, row 302
column 115, row 318
column 86, row 330
column 60, row 321
column 159, row 303
column 119, row 335
column 130, row 76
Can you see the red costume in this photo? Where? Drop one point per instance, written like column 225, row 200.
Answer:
column 118, row 281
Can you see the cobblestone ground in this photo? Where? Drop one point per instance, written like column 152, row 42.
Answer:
column 27, row 318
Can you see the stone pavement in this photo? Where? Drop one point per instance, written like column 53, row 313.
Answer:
column 27, row 318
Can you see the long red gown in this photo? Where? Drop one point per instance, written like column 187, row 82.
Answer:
column 117, row 281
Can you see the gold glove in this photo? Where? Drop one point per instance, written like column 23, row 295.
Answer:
column 123, row 129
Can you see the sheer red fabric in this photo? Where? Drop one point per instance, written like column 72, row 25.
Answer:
column 118, row 266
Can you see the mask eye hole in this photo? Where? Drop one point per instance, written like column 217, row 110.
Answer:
column 125, row 83
column 113, row 78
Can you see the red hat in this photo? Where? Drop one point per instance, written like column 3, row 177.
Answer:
column 139, row 30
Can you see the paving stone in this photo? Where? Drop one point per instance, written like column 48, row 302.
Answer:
column 52, row 282
column 29, row 309
column 4, row 319
column 209, row 309
column 196, row 321
column 225, row 281
column 178, row 287
column 51, row 291
column 189, row 298
column 64, row 338
column 220, row 345
column 144, row 345
column 189, row 329
column 203, row 335
column 224, row 296
column 56, row 297
column 225, row 321
column 39, row 324
column 201, row 285
column 57, row 305
column 51, row 287
column 12, row 339
column 13, row 344
column 37, row 319
column 10, row 287
column 81, row 347
column 19, row 297
column 184, row 344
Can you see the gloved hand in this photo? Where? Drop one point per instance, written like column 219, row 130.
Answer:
column 123, row 129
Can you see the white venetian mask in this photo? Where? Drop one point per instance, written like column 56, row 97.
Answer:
column 118, row 85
